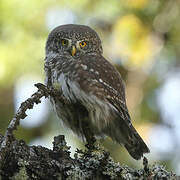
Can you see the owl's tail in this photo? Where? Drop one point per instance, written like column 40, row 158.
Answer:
column 124, row 133
column 135, row 145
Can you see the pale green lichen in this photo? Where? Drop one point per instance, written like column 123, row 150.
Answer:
column 77, row 173
column 22, row 173
column 112, row 169
column 159, row 172
column 95, row 164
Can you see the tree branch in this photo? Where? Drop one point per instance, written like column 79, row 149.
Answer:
column 20, row 161
column 21, row 114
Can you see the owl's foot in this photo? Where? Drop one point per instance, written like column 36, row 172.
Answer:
column 89, row 136
column 91, row 143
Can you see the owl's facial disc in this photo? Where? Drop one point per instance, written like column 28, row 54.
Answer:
column 62, row 39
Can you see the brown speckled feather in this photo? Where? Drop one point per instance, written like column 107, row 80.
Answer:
column 92, row 86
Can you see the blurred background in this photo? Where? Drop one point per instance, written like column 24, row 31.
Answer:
column 140, row 37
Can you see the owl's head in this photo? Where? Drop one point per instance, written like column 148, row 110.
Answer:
column 73, row 40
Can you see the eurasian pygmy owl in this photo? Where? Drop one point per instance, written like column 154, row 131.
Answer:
column 93, row 89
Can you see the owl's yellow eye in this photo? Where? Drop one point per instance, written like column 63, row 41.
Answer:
column 64, row 42
column 83, row 44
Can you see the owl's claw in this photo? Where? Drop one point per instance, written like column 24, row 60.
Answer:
column 90, row 143
column 89, row 136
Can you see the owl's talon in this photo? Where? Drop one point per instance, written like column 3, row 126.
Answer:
column 91, row 143
column 90, row 147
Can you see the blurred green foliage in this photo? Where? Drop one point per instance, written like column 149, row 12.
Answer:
column 141, row 37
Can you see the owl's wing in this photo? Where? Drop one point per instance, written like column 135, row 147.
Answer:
column 103, row 81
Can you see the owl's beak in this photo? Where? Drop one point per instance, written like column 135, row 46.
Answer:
column 73, row 51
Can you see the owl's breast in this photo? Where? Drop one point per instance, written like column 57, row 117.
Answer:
column 85, row 81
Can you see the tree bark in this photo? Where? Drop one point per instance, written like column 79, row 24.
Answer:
column 18, row 161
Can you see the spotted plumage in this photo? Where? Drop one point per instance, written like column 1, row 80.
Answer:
column 92, row 87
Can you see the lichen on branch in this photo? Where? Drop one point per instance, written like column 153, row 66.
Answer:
column 20, row 161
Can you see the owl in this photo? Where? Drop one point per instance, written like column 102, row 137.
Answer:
column 93, row 89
